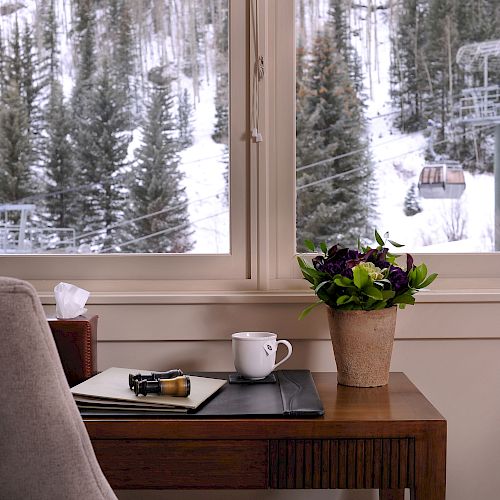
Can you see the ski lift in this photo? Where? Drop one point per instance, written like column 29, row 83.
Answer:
column 442, row 180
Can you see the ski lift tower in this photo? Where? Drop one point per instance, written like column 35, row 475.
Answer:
column 480, row 106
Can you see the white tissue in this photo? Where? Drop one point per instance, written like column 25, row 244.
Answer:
column 70, row 300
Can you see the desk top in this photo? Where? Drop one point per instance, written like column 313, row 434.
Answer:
column 349, row 410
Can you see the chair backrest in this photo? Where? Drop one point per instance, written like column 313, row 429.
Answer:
column 45, row 451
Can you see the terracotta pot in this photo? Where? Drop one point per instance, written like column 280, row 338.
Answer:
column 362, row 344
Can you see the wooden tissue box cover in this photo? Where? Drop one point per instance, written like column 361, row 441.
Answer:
column 76, row 341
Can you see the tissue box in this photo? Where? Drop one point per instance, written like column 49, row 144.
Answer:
column 76, row 341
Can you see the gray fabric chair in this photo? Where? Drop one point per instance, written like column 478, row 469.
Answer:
column 45, row 452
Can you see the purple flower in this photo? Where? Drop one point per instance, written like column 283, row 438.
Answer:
column 398, row 278
column 339, row 261
column 377, row 257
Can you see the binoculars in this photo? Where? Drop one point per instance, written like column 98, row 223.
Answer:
column 169, row 383
column 154, row 376
column 178, row 386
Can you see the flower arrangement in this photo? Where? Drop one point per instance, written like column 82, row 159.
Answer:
column 363, row 279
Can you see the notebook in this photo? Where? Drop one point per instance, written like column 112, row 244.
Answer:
column 110, row 390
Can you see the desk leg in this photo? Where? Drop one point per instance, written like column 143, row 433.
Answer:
column 392, row 494
column 430, row 465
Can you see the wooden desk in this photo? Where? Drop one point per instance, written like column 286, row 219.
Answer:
column 389, row 438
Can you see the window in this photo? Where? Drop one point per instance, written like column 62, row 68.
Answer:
column 138, row 99
column 397, row 106
column 262, row 192
column 114, row 125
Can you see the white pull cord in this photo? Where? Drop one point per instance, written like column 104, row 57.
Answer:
column 258, row 74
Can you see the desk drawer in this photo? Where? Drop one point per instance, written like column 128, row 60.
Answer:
column 342, row 463
column 187, row 464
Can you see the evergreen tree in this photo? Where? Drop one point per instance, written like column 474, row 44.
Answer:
column 329, row 124
column 411, row 203
column 156, row 182
column 107, row 153
column 409, row 65
column 58, row 161
column 82, row 135
column 16, row 181
column 121, row 35
column 186, row 128
column 15, row 175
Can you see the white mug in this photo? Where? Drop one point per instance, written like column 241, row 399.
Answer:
column 254, row 353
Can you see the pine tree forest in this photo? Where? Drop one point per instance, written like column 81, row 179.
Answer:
column 97, row 109
column 379, row 91
column 114, row 124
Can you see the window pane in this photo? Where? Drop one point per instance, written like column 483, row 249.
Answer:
column 114, row 126
column 397, row 105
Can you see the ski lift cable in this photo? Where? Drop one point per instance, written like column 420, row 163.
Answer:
column 92, row 185
column 390, row 113
column 345, row 155
column 356, row 151
column 152, row 214
column 357, row 169
column 164, row 231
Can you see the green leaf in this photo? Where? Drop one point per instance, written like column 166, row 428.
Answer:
column 323, row 247
column 344, row 282
column 394, row 244
column 310, row 245
column 428, row 281
column 344, row 299
column 308, row 309
column 379, row 239
column 361, row 278
column 388, row 294
column 321, row 285
column 380, row 305
column 421, row 274
column 404, row 299
column 373, row 292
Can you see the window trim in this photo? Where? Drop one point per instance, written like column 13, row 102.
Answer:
column 176, row 271
column 263, row 257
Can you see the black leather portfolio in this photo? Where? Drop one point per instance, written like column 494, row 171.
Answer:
column 292, row 395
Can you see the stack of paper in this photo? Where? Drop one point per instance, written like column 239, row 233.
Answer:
column 109, row 391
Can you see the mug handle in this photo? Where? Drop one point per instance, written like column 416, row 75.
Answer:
column 289, row 346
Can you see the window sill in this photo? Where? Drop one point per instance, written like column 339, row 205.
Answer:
column 274, row 297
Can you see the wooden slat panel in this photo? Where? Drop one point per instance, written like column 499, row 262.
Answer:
column 360, row 463
column 282, row 463
column 351, row 463
column 377, row 463
column 334, row 463
column 326, row 465
column 342, row 464
column 316, row 460
column 308, row 463
column 386, row 463
column 273, row 463
column 299, row 464
column 395, row 464
column 368, row 476
column 411, row 462
column 403, row 461
column 290, row 459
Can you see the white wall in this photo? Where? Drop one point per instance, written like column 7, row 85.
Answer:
column 451, row 351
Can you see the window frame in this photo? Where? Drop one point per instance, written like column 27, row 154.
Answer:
column 176, row 271
column 262, row 191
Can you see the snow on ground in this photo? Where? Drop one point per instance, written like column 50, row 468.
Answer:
column 398, row 160
column 203, row 167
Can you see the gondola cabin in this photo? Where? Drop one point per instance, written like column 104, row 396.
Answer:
column 442, row 180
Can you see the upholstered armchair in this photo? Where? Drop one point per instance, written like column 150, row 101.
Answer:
column 45, row 452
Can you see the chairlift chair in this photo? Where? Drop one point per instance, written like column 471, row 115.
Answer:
column 444, row 180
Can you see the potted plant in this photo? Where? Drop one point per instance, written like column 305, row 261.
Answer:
column 363, row 288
